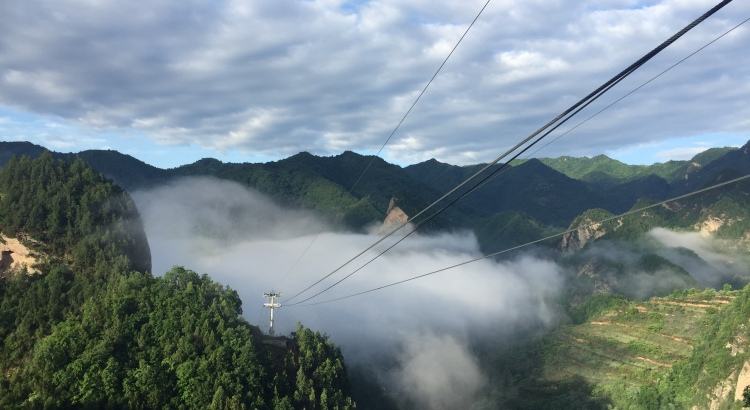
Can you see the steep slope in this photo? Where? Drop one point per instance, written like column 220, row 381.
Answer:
column 531, row 187
column 732, row 164
column 323, row 183
column 507, row 229
column 624, row 348
column 606, row 171
column 71, row 212
column 128, row 172
column 297, row 187
column 9, row 149
column 715, row 374
column 94, row 329
column 723, row 213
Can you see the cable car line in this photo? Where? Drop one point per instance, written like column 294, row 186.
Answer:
column 638, row 88
column 546, row 238
column 555, row 123
column 395, row 129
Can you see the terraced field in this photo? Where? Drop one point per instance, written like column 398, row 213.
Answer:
column 624, row 348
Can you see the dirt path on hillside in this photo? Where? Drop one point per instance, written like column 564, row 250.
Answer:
column 654, row 362
column 686, row 304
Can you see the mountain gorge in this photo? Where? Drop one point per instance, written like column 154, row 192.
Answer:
column 94, row 321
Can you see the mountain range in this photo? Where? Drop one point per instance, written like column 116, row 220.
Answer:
column 526, row 199
column 93, row 319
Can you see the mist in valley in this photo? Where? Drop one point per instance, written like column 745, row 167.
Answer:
column 417, row 338
column 419, row 341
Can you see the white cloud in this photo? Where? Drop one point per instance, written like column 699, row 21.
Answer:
column 702, row 246
column 681, row 153
column 244, row 240
column 279, row 77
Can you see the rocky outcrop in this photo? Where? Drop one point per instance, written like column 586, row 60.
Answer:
column 394, row 217
column 709, row 225
column 16, row 257
column 743, row 380
column 587, row 231
column 722, row 392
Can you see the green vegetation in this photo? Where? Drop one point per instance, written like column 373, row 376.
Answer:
column 604, row 170
column 550, row 192
column 623, row 347
column 72, row 212
column 149, row 342
column 96, row 330
column 596, row 305
column 508, row 229
column 718, row 354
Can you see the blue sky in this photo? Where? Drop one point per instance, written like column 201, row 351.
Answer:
column 65, row 136
column 259, row 80
column 60, row 135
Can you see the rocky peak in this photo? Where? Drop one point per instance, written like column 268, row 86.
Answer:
column 394, row 217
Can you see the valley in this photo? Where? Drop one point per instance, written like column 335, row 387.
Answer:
column 632, row 314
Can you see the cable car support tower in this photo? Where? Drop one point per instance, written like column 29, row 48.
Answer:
column 271, row 304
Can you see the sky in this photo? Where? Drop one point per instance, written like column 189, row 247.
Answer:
column 173, row 81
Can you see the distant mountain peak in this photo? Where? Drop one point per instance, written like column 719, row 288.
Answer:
column 302, row 154
column 350, row 153
column 208, row 161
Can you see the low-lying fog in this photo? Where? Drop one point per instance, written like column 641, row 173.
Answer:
column 244, row 240
column 419, row 338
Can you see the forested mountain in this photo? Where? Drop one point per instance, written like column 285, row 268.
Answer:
column 684, row 350
column 94, row 329
column 607, row 171
column 548, row 192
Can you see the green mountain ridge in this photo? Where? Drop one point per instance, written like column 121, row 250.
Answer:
column 545, row 196
column 607, row 171
column 94, row 328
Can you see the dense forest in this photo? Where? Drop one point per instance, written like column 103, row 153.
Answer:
column 95, row 329
column 527, row 200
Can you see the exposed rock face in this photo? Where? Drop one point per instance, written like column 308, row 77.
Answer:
column 743, row 380
column 15, row 256
column 722, row 392
column 394, row 217
column 587, row 232
column 592, row 270
column 709, row 226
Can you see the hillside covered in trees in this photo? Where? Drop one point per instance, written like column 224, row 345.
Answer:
column 528, row 199
column 95, row 329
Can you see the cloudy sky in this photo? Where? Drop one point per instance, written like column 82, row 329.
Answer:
column 171, row 81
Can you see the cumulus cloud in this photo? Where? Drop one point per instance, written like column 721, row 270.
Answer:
column 278, row 77
column 243, row 240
